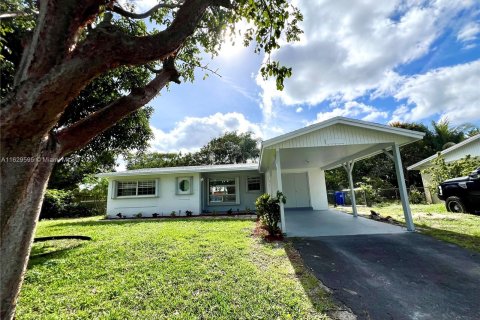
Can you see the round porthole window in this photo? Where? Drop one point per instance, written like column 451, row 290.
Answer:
column 184, row 185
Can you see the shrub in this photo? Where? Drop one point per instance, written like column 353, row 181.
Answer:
column 80, row 210
column 173, row 214
column 229, row 211
column 416, row 197
column 54, row 203
column 441, row 171
column 268, row 211
column 188, row 213
column 61, row 203
column 138, row 215
column 372, row 189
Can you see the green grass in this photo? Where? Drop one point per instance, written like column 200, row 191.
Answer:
column 434, row 220
column 195, row 269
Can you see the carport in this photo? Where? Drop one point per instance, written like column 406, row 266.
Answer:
column 295, row 163
column 331, row 222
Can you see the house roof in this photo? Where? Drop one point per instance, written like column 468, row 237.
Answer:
column 346, row 121
column 187, row 169
column 330, row 143
column 420, row 164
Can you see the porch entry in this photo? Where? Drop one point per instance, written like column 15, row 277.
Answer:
column 295, row 188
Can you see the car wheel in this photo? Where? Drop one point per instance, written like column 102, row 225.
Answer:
column 455, row 204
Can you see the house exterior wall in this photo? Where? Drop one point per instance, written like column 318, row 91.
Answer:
column 472, row 149
column 166, row 200
column 318, row 189
column 430, row 195
column 316, row 184
column 247, row 199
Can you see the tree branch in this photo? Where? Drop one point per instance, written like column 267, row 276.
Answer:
column 44, row 91
column 14, row 14
column 79, row 134
column 58, row 25
column 144, row 15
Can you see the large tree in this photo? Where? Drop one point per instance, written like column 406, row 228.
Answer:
column 131, row 133
column 229, row 148
column 70, row 44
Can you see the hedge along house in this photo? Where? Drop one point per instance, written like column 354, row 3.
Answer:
column 468, row 147
column 293, row 163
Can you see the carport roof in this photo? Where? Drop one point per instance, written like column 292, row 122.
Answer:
column 330, row 143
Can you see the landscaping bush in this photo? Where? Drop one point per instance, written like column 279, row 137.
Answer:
column 61, row 203
column 416, row 197
column 268, row 211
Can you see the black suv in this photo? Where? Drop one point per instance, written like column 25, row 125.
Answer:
column 461, row 194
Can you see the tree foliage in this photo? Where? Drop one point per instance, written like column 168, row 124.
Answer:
column 131, row 133
column 230, row 148
column 68, row 44
column 441, row 171
column 381, row 169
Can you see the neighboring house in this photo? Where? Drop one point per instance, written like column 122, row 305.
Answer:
column 470, row 146
column 293, row 163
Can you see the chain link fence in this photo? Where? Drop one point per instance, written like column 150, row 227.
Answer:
column 390, row 195
column 98, row 204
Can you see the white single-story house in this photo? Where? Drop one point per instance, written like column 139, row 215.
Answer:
column 470, row 146
column 293, row 163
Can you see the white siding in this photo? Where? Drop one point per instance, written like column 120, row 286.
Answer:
column 318, row 189
column 473, row 149
column 340, row 134
column 166, row 201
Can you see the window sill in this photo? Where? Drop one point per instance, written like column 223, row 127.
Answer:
column 134, row 197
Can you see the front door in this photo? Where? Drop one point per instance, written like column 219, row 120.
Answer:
column 295, row 188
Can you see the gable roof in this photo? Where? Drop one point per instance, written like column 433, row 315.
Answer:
column 342, row 120
column 183, row 170
column 418, row 165
column 349, row 137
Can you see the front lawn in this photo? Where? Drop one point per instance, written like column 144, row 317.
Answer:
column 173, row 269
column 459, row 228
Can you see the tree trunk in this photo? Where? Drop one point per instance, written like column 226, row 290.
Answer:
column 25, row 170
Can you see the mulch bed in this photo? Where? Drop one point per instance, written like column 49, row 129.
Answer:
column 261, row 232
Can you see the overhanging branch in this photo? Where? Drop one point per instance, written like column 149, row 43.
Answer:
column 83, row 131
column 14, row 14
column 144, row 15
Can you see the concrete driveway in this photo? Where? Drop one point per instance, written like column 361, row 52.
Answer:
column 314, row 223
column 397, row 276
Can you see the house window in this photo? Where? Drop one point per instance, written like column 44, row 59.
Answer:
column 136, row 188
column 184, row 185
column 254, row 184
column 223, row 191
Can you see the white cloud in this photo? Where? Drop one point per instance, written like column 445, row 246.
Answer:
column 469, row 32
column 299, row 109
column 451, row 92
column 353, row 109
column 351, row 48
column 192, row 133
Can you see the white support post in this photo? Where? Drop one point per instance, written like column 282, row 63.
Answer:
column 402, row 188
column 280, row 188
column 349, row 168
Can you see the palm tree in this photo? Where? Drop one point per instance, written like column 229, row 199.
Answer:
column 445, row 135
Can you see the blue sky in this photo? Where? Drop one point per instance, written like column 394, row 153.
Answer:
column 380, row 61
